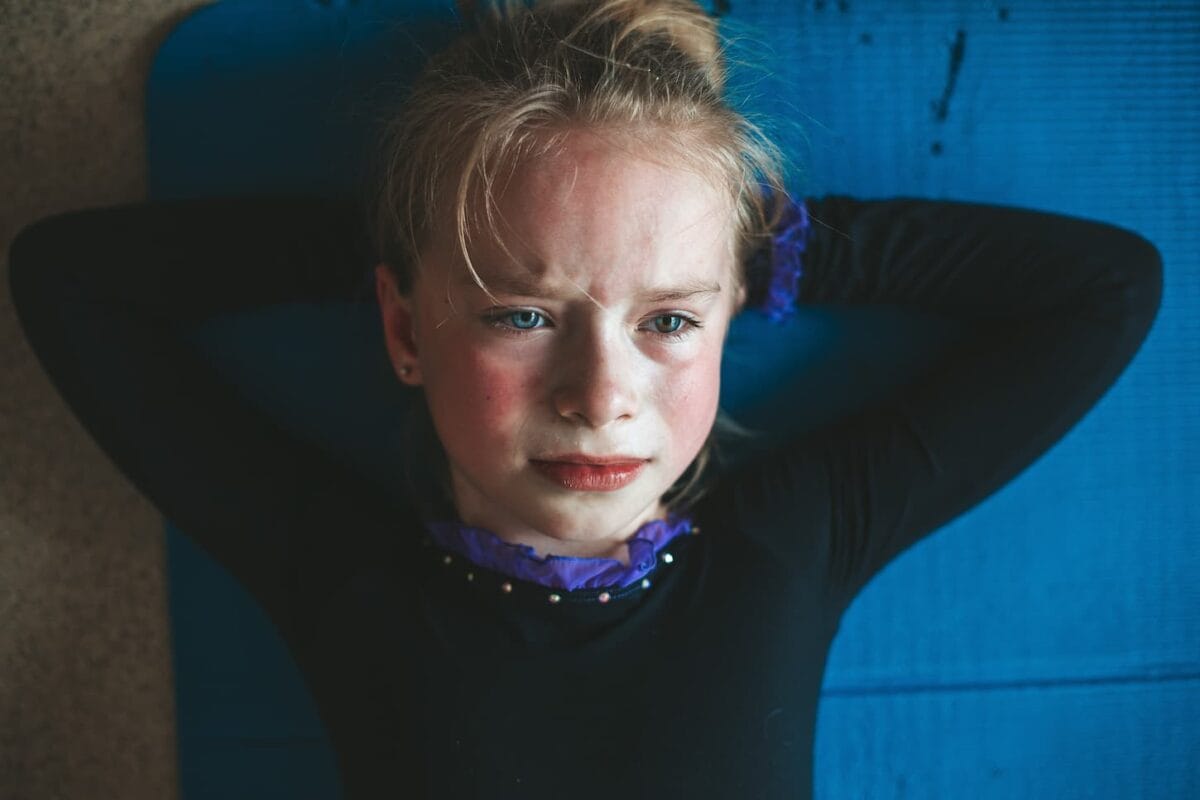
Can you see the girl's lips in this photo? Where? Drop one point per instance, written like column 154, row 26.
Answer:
column 591, row 477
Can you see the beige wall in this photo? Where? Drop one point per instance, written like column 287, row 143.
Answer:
column 86, row 696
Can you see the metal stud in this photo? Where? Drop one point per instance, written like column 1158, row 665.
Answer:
column 604, row 597
column 554, row 598
column 470, row 576
column 695, row 529
column 668, row 558
column 645, row 583
column 506, row 587
column 447, row 559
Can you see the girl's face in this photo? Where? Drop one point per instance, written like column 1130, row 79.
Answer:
column 571, row 402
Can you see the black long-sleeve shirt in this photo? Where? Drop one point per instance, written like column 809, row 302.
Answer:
column 705, row 685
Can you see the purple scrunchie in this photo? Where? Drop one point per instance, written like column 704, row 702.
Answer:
column 786, row 266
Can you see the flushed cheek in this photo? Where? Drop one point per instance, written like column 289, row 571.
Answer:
column 482, row 401
column 688, row 404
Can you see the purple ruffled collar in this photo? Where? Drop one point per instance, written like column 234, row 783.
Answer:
column 521, row 561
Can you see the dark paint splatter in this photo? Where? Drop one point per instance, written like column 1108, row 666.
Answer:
column 721, row 8
column 936, row 148
column 819, row 5
column 1003, row 14
column 843, row 6
column 957, row 50
column 865, row 38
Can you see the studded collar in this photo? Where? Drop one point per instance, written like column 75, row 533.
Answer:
column 484, row 548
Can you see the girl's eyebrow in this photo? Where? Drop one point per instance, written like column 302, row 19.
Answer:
column 687, row 292
column 525, row 287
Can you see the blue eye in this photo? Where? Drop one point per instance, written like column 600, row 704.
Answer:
column 668, row 323
column 524, row 320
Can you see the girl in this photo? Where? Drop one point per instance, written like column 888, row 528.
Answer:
column 570, row 604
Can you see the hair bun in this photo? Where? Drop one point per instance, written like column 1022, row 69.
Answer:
column 683, row 23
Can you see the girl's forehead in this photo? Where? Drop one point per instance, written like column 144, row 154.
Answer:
column 601, row 172
column 608, row 220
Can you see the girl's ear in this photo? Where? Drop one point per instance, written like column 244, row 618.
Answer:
column 399, row 326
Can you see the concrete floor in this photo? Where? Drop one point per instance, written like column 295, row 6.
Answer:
column 86, row 693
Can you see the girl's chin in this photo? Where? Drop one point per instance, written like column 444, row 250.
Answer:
column 535, row 508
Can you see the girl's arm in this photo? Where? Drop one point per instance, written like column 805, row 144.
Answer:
column 104, row 296
column 1059, row 306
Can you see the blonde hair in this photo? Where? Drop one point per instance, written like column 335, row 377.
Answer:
column 512, row 87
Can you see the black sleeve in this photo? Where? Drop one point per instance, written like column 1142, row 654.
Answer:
column 104, row 296
column 1056, row 307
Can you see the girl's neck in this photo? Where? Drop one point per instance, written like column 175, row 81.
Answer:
column 577, row 544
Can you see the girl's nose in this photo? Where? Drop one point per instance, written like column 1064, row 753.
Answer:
column 596, row 384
